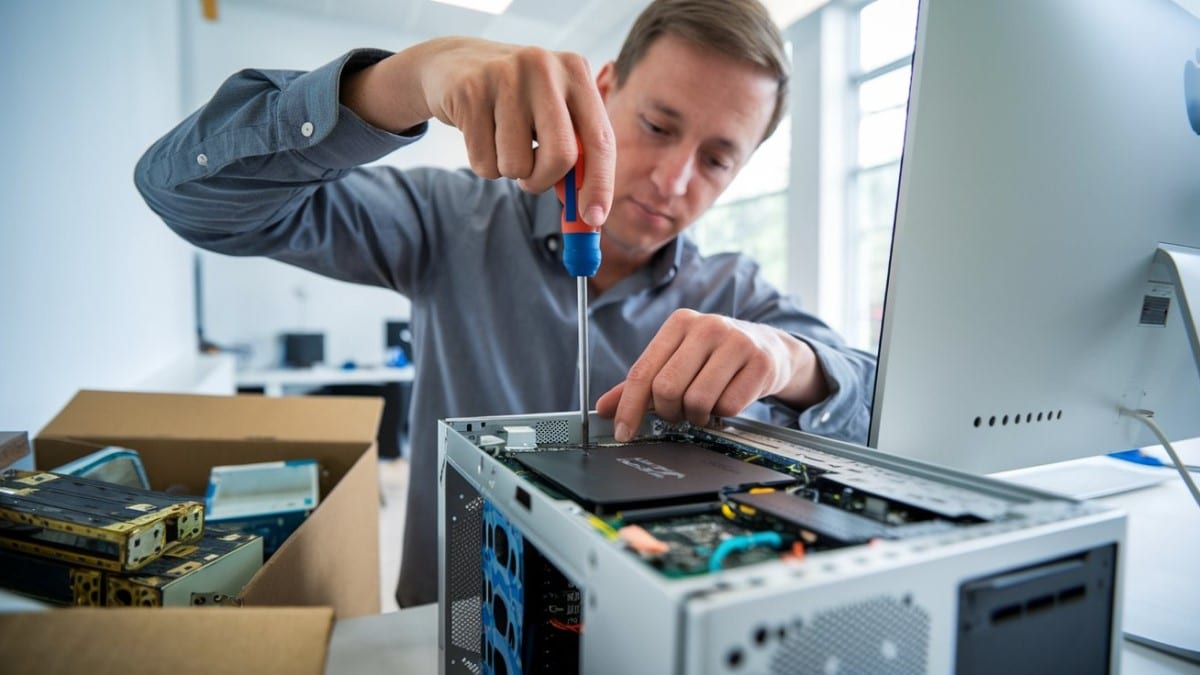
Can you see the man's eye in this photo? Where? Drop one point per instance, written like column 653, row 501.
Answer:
column 653, row 128
column 716, row 162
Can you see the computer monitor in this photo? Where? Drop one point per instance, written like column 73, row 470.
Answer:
column 1048, row 153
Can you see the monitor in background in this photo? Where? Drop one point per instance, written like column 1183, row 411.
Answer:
column 1048, row 153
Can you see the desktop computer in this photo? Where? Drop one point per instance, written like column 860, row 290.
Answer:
column 1047, row 216
column 742, row 547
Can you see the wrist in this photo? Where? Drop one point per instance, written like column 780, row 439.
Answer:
column 387, row 94
column 806, row 385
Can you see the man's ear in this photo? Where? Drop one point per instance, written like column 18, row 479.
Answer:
column 606, row 80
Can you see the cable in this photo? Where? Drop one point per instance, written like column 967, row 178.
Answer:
column 1147, row 418
column 742, row 543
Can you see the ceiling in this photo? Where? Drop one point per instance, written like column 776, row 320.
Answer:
column 593, row 28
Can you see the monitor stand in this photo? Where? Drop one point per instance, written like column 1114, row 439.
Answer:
column 1183, row 265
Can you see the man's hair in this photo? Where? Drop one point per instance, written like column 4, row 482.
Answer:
column 741, row 29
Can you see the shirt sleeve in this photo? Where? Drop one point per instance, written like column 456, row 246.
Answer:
column 849, row 373
column 272, row 166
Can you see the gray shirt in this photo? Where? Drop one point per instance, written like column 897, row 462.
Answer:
column 271, row 166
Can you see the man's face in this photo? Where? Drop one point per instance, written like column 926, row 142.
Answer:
column 686, row 120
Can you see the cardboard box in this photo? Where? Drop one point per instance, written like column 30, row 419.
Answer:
column 330, row 562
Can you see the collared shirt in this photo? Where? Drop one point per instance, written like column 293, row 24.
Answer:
column 272, row 166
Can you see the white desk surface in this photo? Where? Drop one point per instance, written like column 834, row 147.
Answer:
column 274, row 380
column 1162, row 594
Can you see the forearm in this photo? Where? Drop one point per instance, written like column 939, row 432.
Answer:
column 257, row 150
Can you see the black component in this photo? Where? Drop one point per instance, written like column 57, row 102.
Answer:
column 553, row 618
column 44, row 579
column 1055, row 617
column 302, row 350
column 828, row 521
column 1154, row 310
column 393, row 425
column 631, row 516
column 639, row 475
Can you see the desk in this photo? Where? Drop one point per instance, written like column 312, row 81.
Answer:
column 274, row 381
column 405, row 642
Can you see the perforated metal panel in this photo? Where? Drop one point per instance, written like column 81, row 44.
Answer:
column 881, row 635
column 464, row 518
column 553, row 431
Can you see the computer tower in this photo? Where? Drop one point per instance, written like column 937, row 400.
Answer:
column 811, row 555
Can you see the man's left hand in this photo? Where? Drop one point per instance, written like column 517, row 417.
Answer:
column 699, row 365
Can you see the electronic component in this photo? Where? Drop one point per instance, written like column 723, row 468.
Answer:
column 269, row 499
column 638, row 475
column 91, row 522
column 218, row 564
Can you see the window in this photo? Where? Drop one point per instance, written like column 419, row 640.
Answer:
column 882, row 32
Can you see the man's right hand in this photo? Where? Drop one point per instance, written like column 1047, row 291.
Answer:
column 502, row 98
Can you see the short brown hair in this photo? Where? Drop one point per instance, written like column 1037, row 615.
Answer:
column 742, row 29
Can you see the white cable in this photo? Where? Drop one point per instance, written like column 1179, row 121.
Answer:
column 1147, row 417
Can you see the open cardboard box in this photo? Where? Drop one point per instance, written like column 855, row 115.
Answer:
column 328, row 569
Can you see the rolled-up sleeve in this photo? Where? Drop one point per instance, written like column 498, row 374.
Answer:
column 849, row 373
column 271, row 166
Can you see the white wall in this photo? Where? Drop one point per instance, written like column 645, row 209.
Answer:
column 250, row 301
column 94, row 291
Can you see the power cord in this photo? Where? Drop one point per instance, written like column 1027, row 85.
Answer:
column 1147, row 418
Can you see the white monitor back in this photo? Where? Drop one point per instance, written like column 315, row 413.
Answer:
column 1048, row 152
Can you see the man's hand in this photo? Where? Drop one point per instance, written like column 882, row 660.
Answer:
column 700, row 365
column 503, row 98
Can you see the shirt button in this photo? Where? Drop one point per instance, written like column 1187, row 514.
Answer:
column 306, row 129
column 824, row 417
column 552, row 244
column 202, row 159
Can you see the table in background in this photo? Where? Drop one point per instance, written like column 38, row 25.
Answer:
column 276, row 381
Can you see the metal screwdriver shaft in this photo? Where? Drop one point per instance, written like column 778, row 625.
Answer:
column 581, row 257
column 585, row 366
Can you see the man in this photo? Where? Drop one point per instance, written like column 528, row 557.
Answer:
column 272, row 166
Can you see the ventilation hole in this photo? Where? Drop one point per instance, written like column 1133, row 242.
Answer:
column 1006, row 613
column 1059, row 415
column 978, row 422
column 1016, row 419
column 499, row 611
column 1072, row 594
column 1039, row 417
column 992, row 421
column 502, row 551
column 734, row 658
column 760, row 636
column 1004, row 422
column 1028, row 418
column 1039, row 604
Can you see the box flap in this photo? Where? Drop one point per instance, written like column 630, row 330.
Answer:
column 177, row 640
column 99, row 415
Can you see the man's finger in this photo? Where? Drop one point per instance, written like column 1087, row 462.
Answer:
column 710, row 385
column 636, row 397
column 599, row 150
column 514, row 136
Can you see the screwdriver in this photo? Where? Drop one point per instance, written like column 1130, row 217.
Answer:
column 581, row 257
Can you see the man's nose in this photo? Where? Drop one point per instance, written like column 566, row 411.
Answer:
column 673, row 172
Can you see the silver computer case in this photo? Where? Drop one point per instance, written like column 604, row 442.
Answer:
column 1018, row 581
